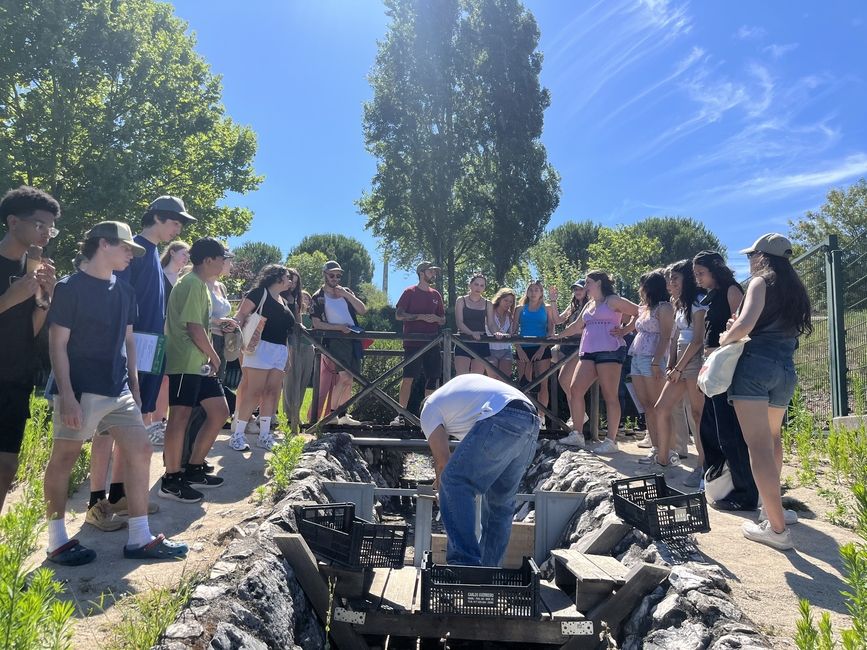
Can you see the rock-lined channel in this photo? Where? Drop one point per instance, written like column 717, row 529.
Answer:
column 252, row 601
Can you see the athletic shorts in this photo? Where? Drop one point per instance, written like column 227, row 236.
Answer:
column 14, row 411
column 191, row 390
column 482, row 349
column 99, row 413
column 344, row 350
column 613, row 356
column 430, row 364
column 267, row 356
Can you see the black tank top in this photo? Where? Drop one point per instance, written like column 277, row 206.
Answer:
column 475, row 318
column 718, row 313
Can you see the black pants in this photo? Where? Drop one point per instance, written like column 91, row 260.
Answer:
column 723, row 440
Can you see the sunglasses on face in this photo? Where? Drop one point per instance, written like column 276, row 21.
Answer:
column 334, row 276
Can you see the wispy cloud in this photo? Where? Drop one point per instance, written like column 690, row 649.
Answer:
column 778, row 51
column 749, row 33
column 839, row 171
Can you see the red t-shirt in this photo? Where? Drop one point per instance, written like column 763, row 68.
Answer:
column 418, row 301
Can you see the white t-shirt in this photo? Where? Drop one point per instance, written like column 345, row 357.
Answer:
column 685, row 330
column 458, row 404
column 337, row 311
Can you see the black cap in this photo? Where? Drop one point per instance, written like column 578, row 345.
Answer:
column 171, row 204
column 331, row 265
column 208, row 247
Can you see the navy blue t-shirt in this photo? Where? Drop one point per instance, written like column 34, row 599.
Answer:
column 97, row 313
column 145, row 274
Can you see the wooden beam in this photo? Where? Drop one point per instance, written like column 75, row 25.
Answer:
column 602, row 540
column 640, row 581
column 300, row 558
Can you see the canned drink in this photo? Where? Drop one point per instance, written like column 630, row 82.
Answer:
column 205, row 370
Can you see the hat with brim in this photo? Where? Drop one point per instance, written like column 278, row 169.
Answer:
column 771, row 244
column 171, row 204
column 331, row 265
column 116, row 230
column 426, row 266
column 208, row 247
column 578, row 283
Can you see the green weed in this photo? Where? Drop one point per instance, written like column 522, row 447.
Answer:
column 145, row 616
column 283, row 461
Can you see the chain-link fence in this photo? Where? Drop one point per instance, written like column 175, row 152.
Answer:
column 854, row 263
column 812, row 358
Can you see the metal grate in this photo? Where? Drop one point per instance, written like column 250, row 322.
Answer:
column 854, row 262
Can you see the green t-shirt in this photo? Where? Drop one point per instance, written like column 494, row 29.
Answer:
column 189, row 302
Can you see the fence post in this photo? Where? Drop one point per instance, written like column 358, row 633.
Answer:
column 835, row 282
column 447, row 355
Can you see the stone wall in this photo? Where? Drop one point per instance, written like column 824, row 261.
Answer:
column 251, row 599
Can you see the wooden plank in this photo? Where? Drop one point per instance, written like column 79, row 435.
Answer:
column 602, row 540
column 610, row 565
column 579, row 566
column 298, row 555
column 521, row 544
column 377, row 586
column 556, row 604
column 640, row 581
column 349, row 584
column 400, row 591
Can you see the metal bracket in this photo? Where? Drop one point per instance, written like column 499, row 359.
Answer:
column 574, row 628
column 342, row 615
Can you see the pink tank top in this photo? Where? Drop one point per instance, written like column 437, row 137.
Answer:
column 598, row 323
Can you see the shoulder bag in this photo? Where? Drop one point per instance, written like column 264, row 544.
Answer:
column 252, row 330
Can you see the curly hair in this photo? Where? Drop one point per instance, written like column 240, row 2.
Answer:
column 652, row 288
column 271, row 274
column 502, row 293
column 23, row 201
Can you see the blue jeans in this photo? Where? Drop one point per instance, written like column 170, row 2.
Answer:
column 490, row 461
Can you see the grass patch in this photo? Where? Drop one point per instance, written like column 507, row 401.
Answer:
column 145, row 616
column 284, row 459
column 283, row 418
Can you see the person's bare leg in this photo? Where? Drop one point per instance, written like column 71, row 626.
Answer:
column 64, row 453
column 696, row 405
column 539, row 369
column 179, row 418
column 216, row 413
column 565, row 379
column 8, row 469
column 585, row 375
column 405, row 391
column 754, row 417
column 253, row 392
column 670, row 399
column 100, row 453
column 644, row 392
column 462, row 365
column 609, row 379
column 271, row 395
column 477, row 367
column 135, row 446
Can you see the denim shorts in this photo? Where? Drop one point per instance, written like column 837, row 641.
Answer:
column 499, row 354
column 642, row 365
column 764, row 375
column 613, row 356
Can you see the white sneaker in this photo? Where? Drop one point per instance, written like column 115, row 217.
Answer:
column 791, row 516
column 398, row 421
column 238, row 442
column 157, row 434
column 252, row 427
column 574, row 439
column 266, row 441
column 648, row 460
column 607, row 446
column 646, row 443
column 569, row 422
column 764, row 534
column 348, row 421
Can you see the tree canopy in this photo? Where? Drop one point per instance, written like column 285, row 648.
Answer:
column 682, row 237
column 309, row 267
column 348, row 251
column 106, row 105
column 625, row 253
column 844, row 213
column 455, row 123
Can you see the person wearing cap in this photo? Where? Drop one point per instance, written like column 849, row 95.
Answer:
column 28, row 215
column 92, row 350
column 498, row 428
column 192, row 365
column 776, row 311
column 336, row 308
column 161, row 223
column 421, row 309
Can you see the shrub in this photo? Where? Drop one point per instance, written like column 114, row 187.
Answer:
column 145, row 616
column 283, row 461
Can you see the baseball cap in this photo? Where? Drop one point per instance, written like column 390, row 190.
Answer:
column 208, row 247
column 578, row 283
column 426, row 266
column 116, row 230
column 171, row 204
column 331, row 265
column 773, row 244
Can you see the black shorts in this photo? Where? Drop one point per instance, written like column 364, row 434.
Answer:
column 191, row 390
column 14, row 411
column 530, row 350
column 482, row 349
column 430, row 364
column 344, row 350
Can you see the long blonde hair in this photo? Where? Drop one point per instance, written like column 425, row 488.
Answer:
column 171, row 248
column 526, row 297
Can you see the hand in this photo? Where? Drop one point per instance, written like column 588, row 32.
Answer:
column 46, row 277
column 70, row 412
column 215, row 364
column 228, row 324
column 620, row 331
column 673, row 375
column 724, row 338
column 345, row 329
column 538, row 355
column 552, row 294
column 340, row 292
column 23, row 288
column 730, row 322
column 136, row 395
column 476, row 336
column 501, row 335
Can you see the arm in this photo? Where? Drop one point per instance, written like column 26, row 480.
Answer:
column 359, row 307
column 131, row 367
column 19, row 291
column 665, row 314
column 47, row 279
column 694, row 346
column 735, row 297
column 438, row 441
column 70, row 409
column 576, row 326
column 563, row 316
column 199, row 336
column 244, row 310
column 627, row 308
column 402, row 315
column 319, row 324
column 754, row 303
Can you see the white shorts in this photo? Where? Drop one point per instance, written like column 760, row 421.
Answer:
column 268, row 356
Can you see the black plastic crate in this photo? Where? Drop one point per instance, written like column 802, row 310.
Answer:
column 334, row 532
column 662, row 512
column 480, row 591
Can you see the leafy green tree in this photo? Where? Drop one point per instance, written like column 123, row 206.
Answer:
column 574, row 239
column 844, row 213
column 258, row 254
column 372, row 296
column 348, row 251
column 683, row 238
column 106, row 104
column 309, row 266
column 554, row 267
column 462, row 178
column 624, row 253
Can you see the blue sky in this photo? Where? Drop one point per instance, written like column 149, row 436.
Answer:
column 741, row 115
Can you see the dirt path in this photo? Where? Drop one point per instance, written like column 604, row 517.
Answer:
column 767, row 584
column 96, row 586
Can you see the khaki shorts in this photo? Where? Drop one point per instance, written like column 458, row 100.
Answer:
column 99, row 414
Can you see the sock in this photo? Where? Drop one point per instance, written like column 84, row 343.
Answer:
column 57, row 536
column 139, row 532
column 240, row 427
column 264, row 426
column 95, row 497
column 115, row 492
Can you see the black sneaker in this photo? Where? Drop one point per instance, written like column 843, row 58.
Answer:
column 196, row 476
column 208, row 468
column 178, row 489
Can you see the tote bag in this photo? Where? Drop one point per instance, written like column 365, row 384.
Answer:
column 252, row 329
column 716, row 373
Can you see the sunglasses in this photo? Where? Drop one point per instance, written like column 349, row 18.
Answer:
column 334, row 276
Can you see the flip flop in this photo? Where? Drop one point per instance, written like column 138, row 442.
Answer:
column 72, row 554
column 159, row 549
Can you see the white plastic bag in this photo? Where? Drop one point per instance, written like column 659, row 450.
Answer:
column 716, row 374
